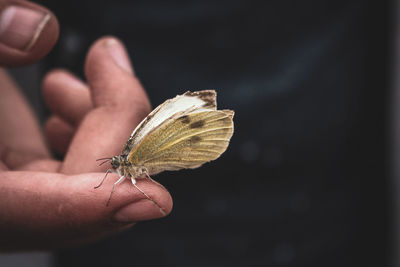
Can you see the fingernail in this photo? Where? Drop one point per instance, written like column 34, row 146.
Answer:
column 20, row 27
column 119, row 54
column 139, row 211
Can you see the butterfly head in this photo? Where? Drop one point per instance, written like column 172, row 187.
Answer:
column 115, row 162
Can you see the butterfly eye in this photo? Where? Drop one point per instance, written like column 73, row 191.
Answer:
column 115, row 162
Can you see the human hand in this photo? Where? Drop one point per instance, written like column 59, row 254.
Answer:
column 45, row 203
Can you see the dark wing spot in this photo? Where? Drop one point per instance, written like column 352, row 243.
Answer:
column 197, row 124
column 185, row 119
column 195, row 139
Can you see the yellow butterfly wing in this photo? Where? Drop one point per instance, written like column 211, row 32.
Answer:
column 187, row 141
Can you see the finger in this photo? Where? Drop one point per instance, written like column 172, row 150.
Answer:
column 27, row 32
column 59, row 134
column 17, row 159
column 20, row 132
column 42, row 165
column 120, row 104
column 111, row 78
column 48, row 210
column 67, row 96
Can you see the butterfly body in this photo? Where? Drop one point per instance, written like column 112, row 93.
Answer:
column 125, row 168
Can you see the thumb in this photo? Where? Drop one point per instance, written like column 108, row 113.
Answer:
column 27, row 32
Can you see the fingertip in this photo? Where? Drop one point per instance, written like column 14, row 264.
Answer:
column 48, row 84
column 66, row 95
column 144, row 208
column 57, row 79
column 165, row 200
column 127, row 204
column 107, row 51
column 28, row 32
column 111, row 77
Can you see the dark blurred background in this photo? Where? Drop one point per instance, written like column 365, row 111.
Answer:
column 305, row 181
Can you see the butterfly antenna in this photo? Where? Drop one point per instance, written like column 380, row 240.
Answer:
column 102, row 159
column 105, row 160
column 108, row 160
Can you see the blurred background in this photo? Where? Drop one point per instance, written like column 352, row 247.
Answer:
column 308, row 179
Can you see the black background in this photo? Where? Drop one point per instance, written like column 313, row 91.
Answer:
column 304, row 181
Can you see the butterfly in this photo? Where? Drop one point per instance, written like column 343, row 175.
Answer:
column 182, row 133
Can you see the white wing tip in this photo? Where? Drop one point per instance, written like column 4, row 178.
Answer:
column 208, row 96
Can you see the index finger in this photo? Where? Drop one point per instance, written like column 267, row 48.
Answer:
column 120, row 103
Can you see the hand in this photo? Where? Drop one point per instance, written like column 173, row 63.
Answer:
column 45, row 203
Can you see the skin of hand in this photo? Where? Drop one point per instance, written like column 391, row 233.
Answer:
column 48, row 204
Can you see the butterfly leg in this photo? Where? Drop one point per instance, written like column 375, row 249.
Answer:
column 112, row 190
column 147, row 196
column 107, row 172
column 144, row 170
column 148, row 176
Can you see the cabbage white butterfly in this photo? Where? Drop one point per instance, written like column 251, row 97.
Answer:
column 182, row 133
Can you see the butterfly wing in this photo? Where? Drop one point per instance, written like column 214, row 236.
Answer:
column 181, row 104
column 187, row 141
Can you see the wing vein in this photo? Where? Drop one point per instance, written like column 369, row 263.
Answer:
column 188, row 136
